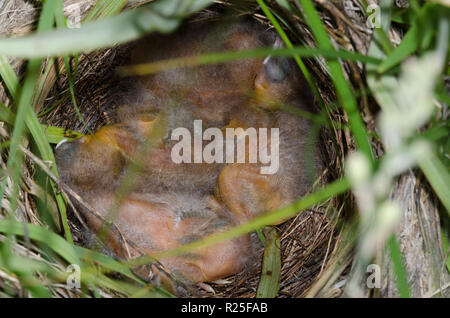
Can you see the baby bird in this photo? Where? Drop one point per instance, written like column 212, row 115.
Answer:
column 242, row 187
column 168, row 203
column 154, row 221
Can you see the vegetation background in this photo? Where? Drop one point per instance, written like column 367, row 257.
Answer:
column 381, row 76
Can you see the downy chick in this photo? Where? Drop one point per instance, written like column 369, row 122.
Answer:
column 244, row 93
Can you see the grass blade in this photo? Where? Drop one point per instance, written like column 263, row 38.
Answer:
column 212, row 58
column 271, row 268
column 160, row 16
column 343, row 89
column 438, row 176
column 26, row 117
column 40, row 234
column 105, row 8
column 74, row 255
column 410, row 43
column 52, row 134
column 6, row 114
column 446, row 249
column 399, row 268
column 9, row 77
column 56, row 134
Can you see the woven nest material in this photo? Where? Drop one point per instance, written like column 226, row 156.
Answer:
column 311, row 240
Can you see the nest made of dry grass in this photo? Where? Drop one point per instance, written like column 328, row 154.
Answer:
column 311, row 240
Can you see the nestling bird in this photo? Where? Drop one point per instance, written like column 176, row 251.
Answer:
column 169, row 204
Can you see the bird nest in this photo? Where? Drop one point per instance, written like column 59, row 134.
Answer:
column 312, row 241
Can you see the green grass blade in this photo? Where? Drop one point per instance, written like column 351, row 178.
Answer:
column 40, row 234
column 438, row 176
column 410, row 43
column 343, row 89
column 446, row 249
column 9, row 76
column 46, row 20
column 54, row 105
column 105, row 8
column 26, row 117
column 106, row 262
column 52, row 134
column 399, row 268
column 160, row 16
column 220, row 57
column 56, row 134
column 37, row 131
column 6, row 114
column 15, row 158
column 270, row 277
column 25, row 268
column 72, row 255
